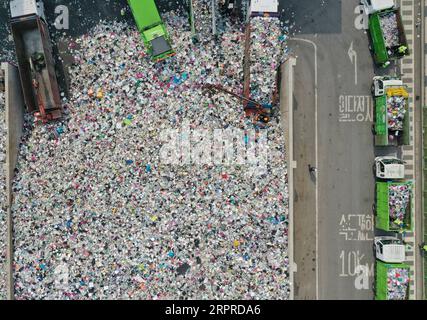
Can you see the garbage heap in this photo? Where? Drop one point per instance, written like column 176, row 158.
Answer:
column 399, row 199
column 101, row 214
column 231, row 73
column 3, row 197
column 203, row 18
column 397, row 283
column 267, row 38
column 390, row 29
column 396, row 111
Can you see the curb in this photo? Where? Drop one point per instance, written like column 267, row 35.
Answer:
column 286, row 106
column 14, row 124
column 423, row 106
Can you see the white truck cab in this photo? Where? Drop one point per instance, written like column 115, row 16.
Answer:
column 381, row 83
column 389, row 249
column 389, row 168
column 372, row 6
column 21, row 8
column 264, row 7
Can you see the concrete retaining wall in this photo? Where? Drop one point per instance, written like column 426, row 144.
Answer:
column 14, row 120
column 286, row 108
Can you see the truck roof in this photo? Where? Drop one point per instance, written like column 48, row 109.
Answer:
column 379, row 5
column 260, row 7
column 145, row 13
column 392, row 82
column 394, row 171
column 160, row 46
column 389, row 159
column 20, row 8
column 392, row 252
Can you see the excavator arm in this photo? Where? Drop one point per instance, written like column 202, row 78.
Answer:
column 262, row 112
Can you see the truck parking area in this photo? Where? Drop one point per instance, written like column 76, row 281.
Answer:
column 343, row 144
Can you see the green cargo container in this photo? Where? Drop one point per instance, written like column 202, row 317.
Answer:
column 381, row 279
column 382, row 53
column 382, row 133
column 383, row 220
column 153, row 31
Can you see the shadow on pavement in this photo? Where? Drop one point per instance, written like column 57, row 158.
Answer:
column 313, row 16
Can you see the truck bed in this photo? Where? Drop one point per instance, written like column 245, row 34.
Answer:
column 392, row 29
column 382, row 133
column 32, row 36
column 383, row 220
column 382, row 283
column 384, row 50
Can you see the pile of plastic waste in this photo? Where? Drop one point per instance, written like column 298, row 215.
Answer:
column 396, row 112
column 399, row 198
column 397, row 283
column 112, row 203
column 390, row 29
column 3, row 198
column 265, row 57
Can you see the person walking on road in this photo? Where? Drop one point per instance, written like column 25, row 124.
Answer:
column 312, row 169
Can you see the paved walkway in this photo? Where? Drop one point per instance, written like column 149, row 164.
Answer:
column 408, row 152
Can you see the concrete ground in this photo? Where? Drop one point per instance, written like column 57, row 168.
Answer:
column 304, row 183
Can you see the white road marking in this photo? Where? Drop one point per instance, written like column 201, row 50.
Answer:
column 362, row 21
column 355, row 108
column 317, row 157
column 352, row 54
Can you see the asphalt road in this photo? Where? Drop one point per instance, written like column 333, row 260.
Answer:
column 304, row 184
column 344, row 155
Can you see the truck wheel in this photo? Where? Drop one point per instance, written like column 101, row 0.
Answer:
column 373, row 129
column 374, row 209
column 374, row 170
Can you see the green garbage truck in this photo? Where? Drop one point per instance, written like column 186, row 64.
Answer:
column 386, row 31
column 392, row 275
column 153, row 30
column 393, row 206
column 392, row 281
column 391, row 101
